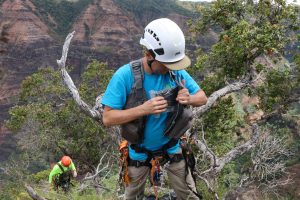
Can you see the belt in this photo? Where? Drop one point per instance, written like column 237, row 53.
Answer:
column 174, row 158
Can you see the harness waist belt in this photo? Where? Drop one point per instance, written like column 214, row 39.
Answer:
column 136, row 163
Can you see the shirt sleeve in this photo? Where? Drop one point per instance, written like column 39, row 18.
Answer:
column 118, row 89
column 72, row 167
column 53, row 172
column 189, row 82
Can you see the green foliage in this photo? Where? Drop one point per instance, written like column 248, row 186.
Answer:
column 277, row 89
column 223, row 12
column 63, row 12
column 211, row 83
column 18, row 116
column 248, row 30
column 46, row 82
column 11, row 191
column 40, row 176
column 95, row 76
column 220, row 124
column 50, row 116
column 228, row 179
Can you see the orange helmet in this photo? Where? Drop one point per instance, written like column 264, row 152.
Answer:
column 66, row 161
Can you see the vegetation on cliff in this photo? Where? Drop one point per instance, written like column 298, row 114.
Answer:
column 63, row 12
column 145, row 10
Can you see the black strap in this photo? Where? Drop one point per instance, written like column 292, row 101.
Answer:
column 138, row 75
column 137, row 163
column 176, row 158
column 61, row 168
column 160, row 152
column 173, row 77
column 164, row 148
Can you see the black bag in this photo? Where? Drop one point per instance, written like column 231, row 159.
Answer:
column 179, row 121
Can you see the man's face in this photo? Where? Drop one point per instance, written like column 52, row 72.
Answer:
column 158, row 68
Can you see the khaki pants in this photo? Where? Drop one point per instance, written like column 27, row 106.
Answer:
column 177, row 176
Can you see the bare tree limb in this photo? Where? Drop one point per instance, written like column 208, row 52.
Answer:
column 210, row 188
column 32, row 193
column 212, row 172
column 70, row 84
column 98, row 170
column 217, row 94
column 93, row 112
column 202, row 145
column 242, row 148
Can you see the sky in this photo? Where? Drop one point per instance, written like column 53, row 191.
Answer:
column 289, row 1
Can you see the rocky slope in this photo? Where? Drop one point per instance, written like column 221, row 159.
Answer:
column 104, row 31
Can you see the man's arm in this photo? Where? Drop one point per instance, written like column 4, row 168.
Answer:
column 112, row 117
column 52, row 173
column 198, row 99
column 73, row 170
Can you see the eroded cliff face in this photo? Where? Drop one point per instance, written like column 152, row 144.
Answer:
column 105, row 26
column 108, row 33
column 25, row 36
column 23, row 28
column 24, row 25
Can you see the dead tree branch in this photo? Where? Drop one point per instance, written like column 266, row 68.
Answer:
column 70, row 84
column 32, row 193
column 218, row 94
column 217, row 164
column 268, row 161
column 98, row 170
column 209, row 186
column 93, row 112
column 202, row 145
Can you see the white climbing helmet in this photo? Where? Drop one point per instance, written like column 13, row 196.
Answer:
column 165, row 41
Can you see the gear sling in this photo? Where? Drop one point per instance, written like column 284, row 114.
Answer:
column 178, row 122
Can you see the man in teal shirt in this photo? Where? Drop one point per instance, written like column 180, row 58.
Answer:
column 165, row 55
column 60, row 174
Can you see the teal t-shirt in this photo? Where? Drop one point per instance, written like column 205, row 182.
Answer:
column 119, row 88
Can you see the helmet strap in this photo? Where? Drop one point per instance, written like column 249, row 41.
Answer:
column 152, row 53
column 149, row 62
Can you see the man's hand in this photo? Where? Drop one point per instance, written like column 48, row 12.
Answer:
column 155, row 105
column 74, row 173
column 183, row 96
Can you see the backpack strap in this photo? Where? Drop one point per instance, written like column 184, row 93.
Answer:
column 174, row 77
column 133, row 131
column 61, row 168
column 138, row 75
